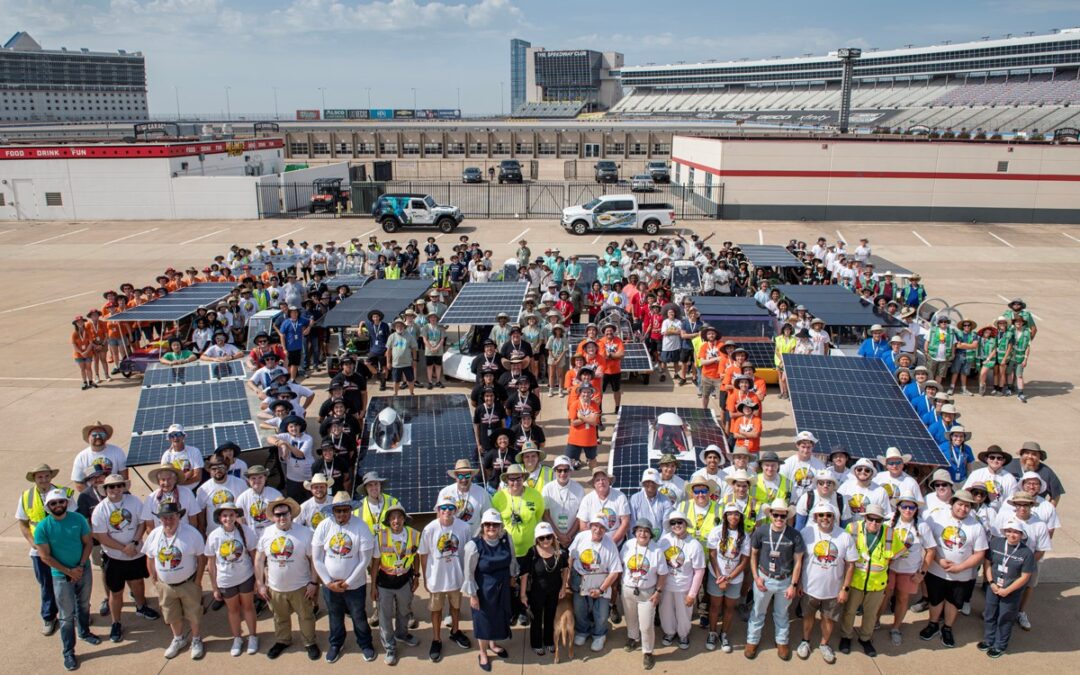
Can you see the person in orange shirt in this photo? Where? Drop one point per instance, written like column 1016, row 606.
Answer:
column 204, row 277
column 612, row 350
column 745, row 428
column 594, row 358
column 582, row 437
column 743, row 392
column 99, row 336
column 83, row 345
column 570, row 378
column 268, row 273
column 748, row 370
column 192, row 277
column 586, row 377
column 736, row 357
column 245, row 274
column 591, row 335
column 713, row 362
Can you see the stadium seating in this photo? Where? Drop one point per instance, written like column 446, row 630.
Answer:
column 549, row 110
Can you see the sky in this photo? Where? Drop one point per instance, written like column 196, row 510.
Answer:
column 202, row 55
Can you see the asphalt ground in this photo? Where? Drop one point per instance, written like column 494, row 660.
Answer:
column 53, row 271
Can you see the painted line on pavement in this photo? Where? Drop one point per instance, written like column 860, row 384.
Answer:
column 1064, row 234
column 519, row 236
column 202, row 236
column 66, row 234
column 1000, row 239
column 130, row 236
column 46, row 302
column 921, row 238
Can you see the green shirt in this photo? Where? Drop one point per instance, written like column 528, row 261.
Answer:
column 1021, row 343
column 1010, row 315
column 64, row 538
column 174, row 356
column 520, row 516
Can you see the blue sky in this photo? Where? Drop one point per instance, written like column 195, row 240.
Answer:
column 197, row 48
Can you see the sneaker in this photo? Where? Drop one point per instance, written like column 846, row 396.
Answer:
column 430, row 385
column 920, row 606
column 579, row 640
column 390, row 658
column 982, row 646
column 995, row 653
column 147, row 612
column 803, row 650
column 648, row 661
column 897, row 637
column 827, row 654
column 368, row 654
column 103, row 608
column 668, row 640
column 116, row 634
column 90, row 639
column 725, row 643
column 703, row 621
column 435, row 653
column 409, row 639
column 1023, row 399
column 197, row 649
column 1007, row 391
column 949, row 392
column 929, row 632
column 982, row 390
column 448, row 621
column 966, row 609
column 684, row 642
column 49, row 626
column 275, row 650
column 70, row 662
column 868, row 648
column 966, row 392
column 598, row 643
column 1023, row 620
column 460, row 639
column 947, row 637
column 995, row 392
column 252, row 645
column 845, row 645
column 313, row 652
column 523, row 620
column 551, row 393
column 710, row 641
column 237, row 646
column 440, row 385
column 631, row 645
column 176, row 646
column 216, row 605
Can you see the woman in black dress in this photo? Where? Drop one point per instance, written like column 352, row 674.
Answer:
column 489, row 566
column 546, row 577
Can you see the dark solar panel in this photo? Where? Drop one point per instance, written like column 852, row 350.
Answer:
column 246, row 435
column 178, row 304
column 881, row 265
column 392, row 296
column 714, row 305
column 441, row 432
column 855, row 403
column 479, row 303
column 836, row 305
column 629, row 454
column 147, row 448
column 761, row 353
column 769, row 256
column 353, row 281
column 637, row 359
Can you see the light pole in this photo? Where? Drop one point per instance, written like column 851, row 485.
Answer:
column 502, row 96
column 368, row 90
column 413, row 99
column 276, row 115
column 228, row 107
column 459, row 99
column 322, row 90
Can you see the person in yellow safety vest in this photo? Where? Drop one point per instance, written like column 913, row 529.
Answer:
column 393, row 270
column 740, row 497
column 29, row 512
column 701, row 511
column 375, row 503
column 873, row 541
column 530, row 457
column 770, row 484
column 395, row 570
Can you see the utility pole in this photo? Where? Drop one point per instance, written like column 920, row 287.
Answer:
column 322, row 90
column 413, row 99
column 459, row 99
column 276, row 115
column 228, row 107
column 368, row 90
column 176, row 91
column 502, row 96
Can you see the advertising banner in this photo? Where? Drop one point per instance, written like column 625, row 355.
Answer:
column 356, row 114
column 448, row 114
column 382, row 114
column 307, row 115
column 403, row 114
column 334, row 114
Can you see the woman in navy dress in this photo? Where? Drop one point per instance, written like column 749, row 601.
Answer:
column 489, row 566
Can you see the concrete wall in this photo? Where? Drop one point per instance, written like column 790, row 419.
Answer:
column 881, row 180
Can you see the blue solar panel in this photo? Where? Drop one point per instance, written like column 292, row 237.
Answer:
column 836, row 305
column 441, row 431
column 479, row 303
column 761, row 353
column 192, row 373
column 391, row 296
column 855, row 403
column 167, row 396
column 246, row 435
column 147, row 448
column 716, row 305
column 178, row 304
column 637, row 359
column 761, row 255
column 629, row 454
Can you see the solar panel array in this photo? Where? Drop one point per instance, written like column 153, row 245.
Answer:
column 209, row 399
column 353, row 281
column 178, row 304
column 629, row 455
column 391, row 296
column 769, row 256
column 441, row 432
column 881, row 265
column 479, row 303
column 714, row 305
column 855, row 403
column 637, row 359
column 761, row 353
column 836, row 305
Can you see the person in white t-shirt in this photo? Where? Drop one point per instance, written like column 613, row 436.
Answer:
column 729, row 553
column 187, row 459
column 342, row 546
column 442, row 543
column 644, row 575
column 1033, row 484
column 671, row 485
column 470, row 499
column 230, row 554
column 98, row 453
column 317, row 509
column 686, row 563
column 175, row 561
column 285, row 577
column 860, row 490
column 221, row 488
column 1000, row 484
column 562, row 497
column 117, row 525
column 166, row 477
column 254, row 502
column 711, row 459
column 801, row 467
column 595, row 566
column 916, row 549
column 863, row 251
column 221, row 350
column 296, row 450
column 893, row 479
column 829, row 564
column 961, row 547
column 940, row 496
column 609, row 502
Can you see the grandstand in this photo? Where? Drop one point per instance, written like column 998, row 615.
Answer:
column 1023, row 84
column 548, row 110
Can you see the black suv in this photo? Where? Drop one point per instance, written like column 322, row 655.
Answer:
column 510, row 171
column 607, row 172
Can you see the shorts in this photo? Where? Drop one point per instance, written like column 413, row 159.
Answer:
column 433, row 359
column 574, row 452
column 440, row 600
column 377, row 360
column 119, row 572
column 1014, row 368
column 79, row 359
column 686, row 355
column 295, row 357
column 830, row 608
column 938, row 369
column 960, row 365
column 732, row 591
column 652, row 344
column 180, row 602
column 405, row 374
column 242, row 587
column 670, row 356
column 939, row 590
column 115, row 342
column 708, row 386
column 902, row 584
column 613, row 380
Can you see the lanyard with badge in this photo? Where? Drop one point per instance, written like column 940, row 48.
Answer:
column 774, row 550
column 1003, row 566
column 641, row 563
column 562, row 520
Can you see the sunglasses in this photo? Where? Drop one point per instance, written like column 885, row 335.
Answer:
column 175, row 435
column 908, row 507
column 97, row 434
column 115, row 487
column 995, row 458
column 490, row 525
column 938, row 486
column 282, row 514
column 447, row 507
column 863, row 469
column 56, row 503
column 514, row 479
column 701, row 491
column 563, row 470
column 894, row 463
column 779, row 516
column 678, row 523
column 826, row 515
column 546, row 537
column 875, row 520
column 342, row 509
column 464, row 476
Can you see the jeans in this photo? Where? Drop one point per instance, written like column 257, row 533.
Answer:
column 591, row 615
column 73, row 600
column 774, row 591
column 43, row 574
column 351, row 603
column 999, row 617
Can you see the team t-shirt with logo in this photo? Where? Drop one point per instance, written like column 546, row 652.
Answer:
column 443, row 546
column 156, row 498
column 825, row 561
column 183, row 460
column 256, row 507
column 346, row 550
column 470, row 505
column 801, row 474
column 614, row 507
column 642, row 564
column 1000, row 486
column 176, row 557
column 594, row 560
column 110, row 459
column 212, row 494
column 894, row 487
column 728, row 551
column 859, row 497
column 563, row 503
column 288, row 555
column 312, row 512
column 120, row 521
column 957, row 541
column 683, row 557
column 911, row 542
column 230, row 553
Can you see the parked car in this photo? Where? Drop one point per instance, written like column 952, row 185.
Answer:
column 642, row 182
column 607, row 172
column 510, row 171
column 472, row 174
column 659, row 171
column 327, row 194
column 618, row 212
column 394, row 211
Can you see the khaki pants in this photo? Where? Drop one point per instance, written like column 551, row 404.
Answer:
column 870, row 602
column 283, row 604
column 639, row 617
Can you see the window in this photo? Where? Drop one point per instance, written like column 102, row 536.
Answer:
column 1003, row 167
column 523, row 148
column 344, row 149
column 708, row 186
column 321, row 148
column 568, row 149
column 2, row 199
column 432, row 148
column 477, row 148
column 661, row 149
column 365, row 148
column 678, row 170
column 298, row 148
column 616, row 149
column 639, row 149
column 500, row 148
column 53, row 199
column 455, row 148
column 388, row 148
column 410, row 148
column 546, row 148
column 690, row 178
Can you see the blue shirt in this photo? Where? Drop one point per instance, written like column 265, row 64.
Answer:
column 689, row 326
column 957, row 471
column 937, row 430
column 911, row 390
column 64, row 538
column 377, row 337
column 868, row 349
column 293, row 330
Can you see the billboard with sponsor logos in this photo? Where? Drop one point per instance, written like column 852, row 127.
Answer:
column 802, row 118
column 382, row 114
column 404, row 114
column 335, row 114
column 307, row 115
column 357, row 114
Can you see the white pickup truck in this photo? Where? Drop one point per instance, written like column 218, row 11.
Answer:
column 618, row 213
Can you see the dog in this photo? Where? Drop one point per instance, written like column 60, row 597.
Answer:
column 564, row 628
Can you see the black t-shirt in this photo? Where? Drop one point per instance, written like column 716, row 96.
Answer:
column 327, row 407
column 354, row 387
column 490, row 421
column 534, row 434
column 495, row 463
column 508, row 349
column 545, row 574
column 786, row 544
column 482, row 362
column 508, row 381
column 84, row 505
column 349, row 423
column 515, row 404
column 477, row 394
column 338, row 469
column 1054, row 488
column 1008, row 562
